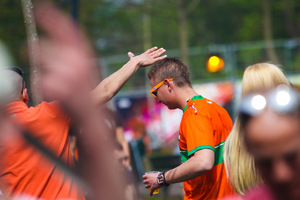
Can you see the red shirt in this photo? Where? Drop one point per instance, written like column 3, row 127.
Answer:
column 24, row 170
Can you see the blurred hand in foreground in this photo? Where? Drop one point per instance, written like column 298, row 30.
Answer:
column 68, row 62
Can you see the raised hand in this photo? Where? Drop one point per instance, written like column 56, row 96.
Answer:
column 149, row 57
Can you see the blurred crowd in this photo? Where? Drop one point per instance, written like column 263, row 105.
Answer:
column 72, row 145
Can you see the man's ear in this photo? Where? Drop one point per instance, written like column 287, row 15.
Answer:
column 168, row 83
column 24, row 96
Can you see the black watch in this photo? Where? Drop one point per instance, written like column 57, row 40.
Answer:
column 161, row 179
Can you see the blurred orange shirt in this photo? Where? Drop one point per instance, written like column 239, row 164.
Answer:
column 205, row 125
column 24, row 170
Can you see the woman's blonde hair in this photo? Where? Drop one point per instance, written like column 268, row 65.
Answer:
column 239, row 164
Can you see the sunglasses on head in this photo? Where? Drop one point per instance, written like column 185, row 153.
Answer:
column 153, row 91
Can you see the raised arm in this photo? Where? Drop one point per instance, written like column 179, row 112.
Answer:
column 111, row 85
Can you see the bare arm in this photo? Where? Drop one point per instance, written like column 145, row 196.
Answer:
column 121, row 139
column 201, row 162
column 111, row 85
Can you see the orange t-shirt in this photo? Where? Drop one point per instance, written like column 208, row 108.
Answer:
column 24, row 170
column 205, row 125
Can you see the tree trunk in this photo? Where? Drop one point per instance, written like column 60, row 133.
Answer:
column 146, row 26
column 147, row 44
column 183, row 32
column 33, row 49
column 267, row 28
column 288, row 11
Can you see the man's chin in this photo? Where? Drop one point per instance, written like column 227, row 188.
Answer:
column 170, row 107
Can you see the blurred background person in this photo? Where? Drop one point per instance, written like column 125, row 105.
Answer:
column 139, row 133
column 113, row 121
column 131, row 189
column 240, row 167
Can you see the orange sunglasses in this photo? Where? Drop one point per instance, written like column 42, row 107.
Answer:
column 153, row 91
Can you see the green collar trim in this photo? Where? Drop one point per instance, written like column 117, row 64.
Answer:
column 194, row 98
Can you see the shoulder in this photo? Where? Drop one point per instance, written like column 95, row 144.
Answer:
column 208, row 105
column 201, row 107
column 196, row 113
column 45, row 105
column 206, row 109
column 47, row 108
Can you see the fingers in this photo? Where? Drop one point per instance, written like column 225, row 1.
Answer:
column 160, row 58
column 151, row 192
column 49, row 19
column 148, row 185
column 151, row 50
column 65, row 43
column 59, row 27
column 158, row 52
column 130, row 54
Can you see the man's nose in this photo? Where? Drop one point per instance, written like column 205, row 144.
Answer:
column 282, row 172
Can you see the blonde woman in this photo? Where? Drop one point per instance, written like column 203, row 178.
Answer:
column 238, row 163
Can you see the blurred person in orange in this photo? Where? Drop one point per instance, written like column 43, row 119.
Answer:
column 23, row 169
column 140, row 135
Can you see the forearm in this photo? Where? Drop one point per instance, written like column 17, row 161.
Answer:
column 202, row 161
column 184, row 172
column 122, row 140
column 126, row 149
column 111, row 85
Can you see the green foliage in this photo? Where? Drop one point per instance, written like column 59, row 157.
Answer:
column 295, row 65
column 12, row 29
column 116, row 27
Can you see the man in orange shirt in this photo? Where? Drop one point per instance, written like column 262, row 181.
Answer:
column 203, row 130
column 66, row 76
column 24, row 170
